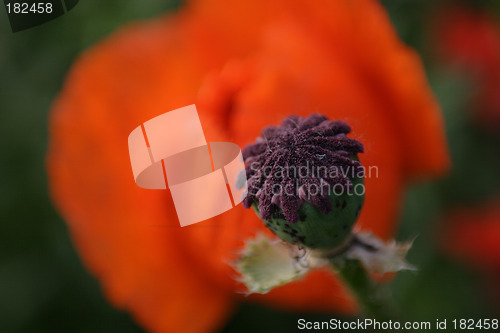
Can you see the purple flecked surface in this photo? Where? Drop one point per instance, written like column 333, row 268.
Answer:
column 289, row 160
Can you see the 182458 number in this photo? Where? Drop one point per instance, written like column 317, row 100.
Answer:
column 478, row 324
column 26, row 8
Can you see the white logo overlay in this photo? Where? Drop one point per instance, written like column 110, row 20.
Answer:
column 170, row 150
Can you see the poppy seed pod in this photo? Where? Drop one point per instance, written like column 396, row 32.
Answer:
column 305, row 180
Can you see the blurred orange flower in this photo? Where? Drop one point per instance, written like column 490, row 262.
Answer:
column 470, row 39
column 472, row 235
column 246, row 64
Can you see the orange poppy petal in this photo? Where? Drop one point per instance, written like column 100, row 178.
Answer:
column 358, row 34
column 129, row 237
column 472, row 234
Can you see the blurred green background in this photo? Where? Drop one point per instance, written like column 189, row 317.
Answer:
column 45, row 288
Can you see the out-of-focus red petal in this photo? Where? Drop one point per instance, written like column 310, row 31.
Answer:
column 469, row 39
column 129, row 237
column 472, row 234
column 358, row 36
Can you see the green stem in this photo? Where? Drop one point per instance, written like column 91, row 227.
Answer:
column 373, row 297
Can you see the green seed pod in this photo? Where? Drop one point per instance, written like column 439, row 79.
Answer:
column 305, row 181
column 315, row 229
